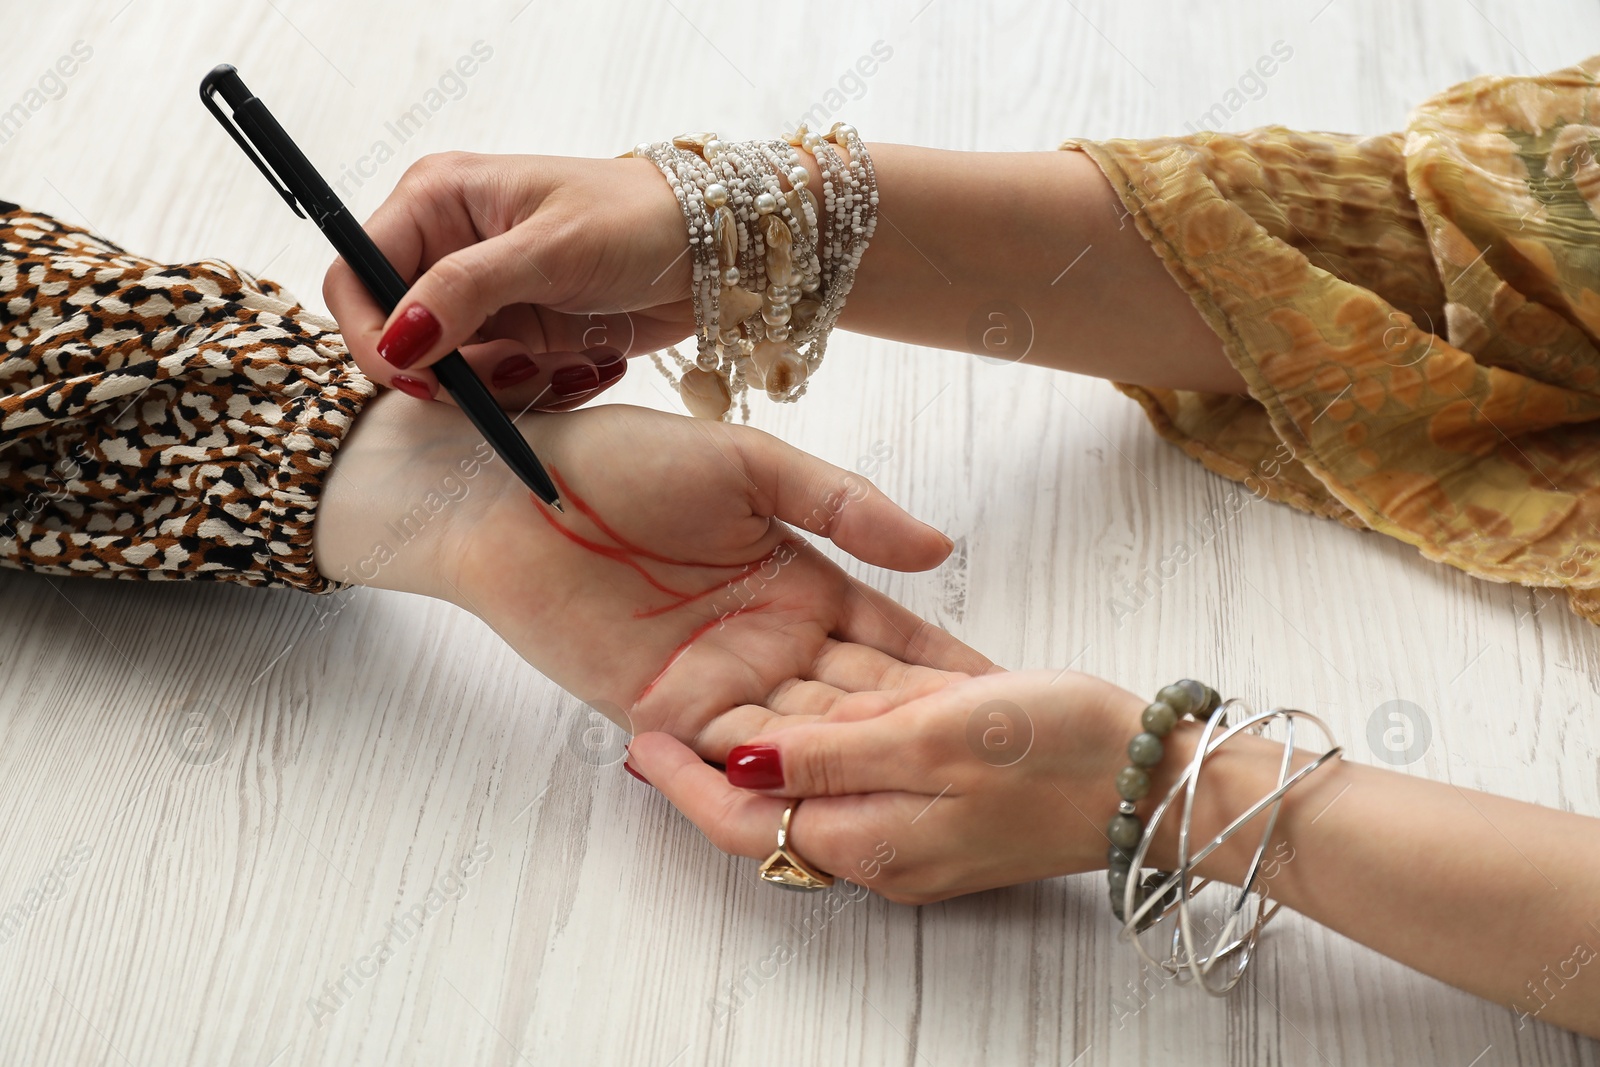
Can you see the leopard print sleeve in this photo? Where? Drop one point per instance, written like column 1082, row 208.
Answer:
column 161, row 421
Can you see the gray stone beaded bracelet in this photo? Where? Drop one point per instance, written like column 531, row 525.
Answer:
column 1186, row 699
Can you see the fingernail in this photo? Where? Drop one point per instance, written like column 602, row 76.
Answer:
column 755, row 767
column 571, row 381
column 609, row 364
column 412, row 386
column 409, row 336
column 629, row 768
column 512, row 370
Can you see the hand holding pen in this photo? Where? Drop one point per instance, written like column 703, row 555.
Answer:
column 558, row 268
column 293, row 176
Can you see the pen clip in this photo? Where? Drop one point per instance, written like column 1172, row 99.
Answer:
column 208, row 90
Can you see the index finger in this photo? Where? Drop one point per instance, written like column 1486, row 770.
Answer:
column 874, row 619
column 421, row 220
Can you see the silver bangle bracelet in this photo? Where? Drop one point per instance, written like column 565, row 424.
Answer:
column 1234, row 939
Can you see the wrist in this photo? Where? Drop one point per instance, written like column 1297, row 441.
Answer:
column 1234, row 778
column 406, row 481
column 663, row 233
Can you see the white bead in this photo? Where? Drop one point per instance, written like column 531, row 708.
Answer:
column 642, row 148
column 811, row 142
column 766, row 203
column 712, row 148
column 730, row 276
column 799, row 176
column 716, row 195
column 779, row 332
column 776, row 315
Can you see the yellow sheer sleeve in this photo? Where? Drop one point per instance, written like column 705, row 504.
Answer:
column 1415, row 315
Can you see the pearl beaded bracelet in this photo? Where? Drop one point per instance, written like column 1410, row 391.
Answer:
column 1139, row 903
column 771, row 264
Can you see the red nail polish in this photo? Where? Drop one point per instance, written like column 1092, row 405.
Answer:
column 629, row 768
column 412, row 386
column 573, row 381
column 611, row 367
column 513, row 370
column 409, row 336
column 755, row 767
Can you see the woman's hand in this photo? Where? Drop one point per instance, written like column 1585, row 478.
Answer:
column 980, row 783
column 1008, row 778
column 552, row 270
column 547, row 272
column 670, row 594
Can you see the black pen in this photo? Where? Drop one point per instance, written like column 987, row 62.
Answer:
column 298, row 182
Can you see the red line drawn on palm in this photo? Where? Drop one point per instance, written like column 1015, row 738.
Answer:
column 627, row 554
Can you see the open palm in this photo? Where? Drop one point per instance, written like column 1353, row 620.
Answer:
column 673, row 594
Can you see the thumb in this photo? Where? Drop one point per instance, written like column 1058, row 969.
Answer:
column 890, row 753
column 452, row 299
column 843, row 506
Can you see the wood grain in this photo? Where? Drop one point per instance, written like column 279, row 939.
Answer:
column 367, row 747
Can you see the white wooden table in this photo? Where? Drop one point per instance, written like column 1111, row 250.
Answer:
column 225, row 908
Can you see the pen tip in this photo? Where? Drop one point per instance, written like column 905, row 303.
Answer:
column 557, row 505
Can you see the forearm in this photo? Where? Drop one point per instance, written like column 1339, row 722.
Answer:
column 1492, row 895
column 171, row 421
column 1000, row 252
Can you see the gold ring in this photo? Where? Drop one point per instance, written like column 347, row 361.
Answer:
column 785, row 868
